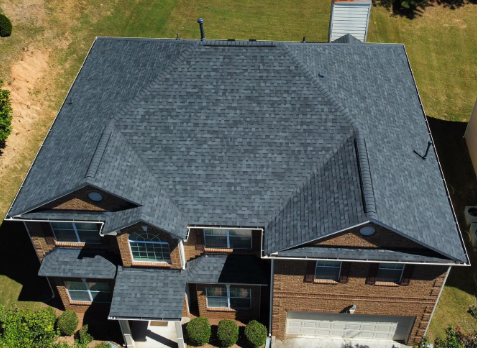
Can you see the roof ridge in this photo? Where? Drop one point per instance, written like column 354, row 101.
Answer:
column 100, row 150
column 365, row 171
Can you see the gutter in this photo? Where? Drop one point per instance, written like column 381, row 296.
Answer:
column 362, row 261
column 143, row 319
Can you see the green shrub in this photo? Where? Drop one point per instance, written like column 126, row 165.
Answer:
column 198, row 331
column 256, row 333
column 67, row 323
column 5, row 26
column 21, row 328
column 84, row 338
column 227, row 333
column 6, row 114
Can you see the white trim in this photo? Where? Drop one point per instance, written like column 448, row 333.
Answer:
column 227, row 235
column 132, row 256
column 362, row 261
column 437, row 301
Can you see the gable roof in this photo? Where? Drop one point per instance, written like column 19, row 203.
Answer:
column 302, row 139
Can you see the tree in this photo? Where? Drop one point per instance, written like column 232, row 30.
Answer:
column 21, row 328
column 6, row 114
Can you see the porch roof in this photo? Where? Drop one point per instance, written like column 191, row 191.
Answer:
column 227, row 269
column 76, row 263
column 148, row 294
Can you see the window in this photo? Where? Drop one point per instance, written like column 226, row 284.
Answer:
column 328, row 270
column 228, row 239
column 226, row 297
column 76, row 232
column 390, row 272
column 84, row 291
column 147, row 247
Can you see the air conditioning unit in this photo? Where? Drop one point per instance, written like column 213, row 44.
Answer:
column 473, row 234
column 471, row 214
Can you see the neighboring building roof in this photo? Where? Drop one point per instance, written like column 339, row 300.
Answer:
column 153, row 294
column 420, row 256
column 228, row 269
column 75, row 263
column 301, row 139
column 348, row 38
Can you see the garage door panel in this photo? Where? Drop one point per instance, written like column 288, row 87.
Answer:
column 349, row 326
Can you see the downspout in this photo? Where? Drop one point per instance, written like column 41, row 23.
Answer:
column 48, row 280
column 437, row 301
column 182, row 253
column 272, row 272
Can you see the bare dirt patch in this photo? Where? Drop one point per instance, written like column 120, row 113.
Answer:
column 28, row 86
column 26, row 12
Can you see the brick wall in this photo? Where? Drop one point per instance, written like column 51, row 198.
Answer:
column 78, row 307
column 382, row 238
column 291, row 293
column 43, row 241
column 123, row 243
column 79, row 200
column 224, row 313
column 194, row 247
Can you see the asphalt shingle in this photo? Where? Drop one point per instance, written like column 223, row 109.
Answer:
column 153, row 294
column 75, row 263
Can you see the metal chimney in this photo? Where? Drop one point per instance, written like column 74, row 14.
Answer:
column 201, row 25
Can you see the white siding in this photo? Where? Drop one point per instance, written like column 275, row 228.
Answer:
column 349, row 19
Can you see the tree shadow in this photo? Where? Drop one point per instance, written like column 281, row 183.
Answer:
column 102, row 329
column 18, row 261
column 398, row 10
column 462, row 183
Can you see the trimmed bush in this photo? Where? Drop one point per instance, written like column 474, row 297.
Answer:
column 198, row 331
column 227, row 333
column 84, row 337
column 256, row 334
column 5, row 26
column 67, row 323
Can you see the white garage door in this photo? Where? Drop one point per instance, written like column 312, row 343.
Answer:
column 308, row 324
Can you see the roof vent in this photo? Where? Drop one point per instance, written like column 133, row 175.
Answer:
column 201, row 25
column 429, row 143
column 367, row 231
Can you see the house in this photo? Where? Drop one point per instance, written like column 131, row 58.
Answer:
column 279, row 181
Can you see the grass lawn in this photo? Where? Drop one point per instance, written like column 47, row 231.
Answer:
column 53, row 37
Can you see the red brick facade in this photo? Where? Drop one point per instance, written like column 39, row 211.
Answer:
column 292, row 293
column 79, row 200
column 381, row 239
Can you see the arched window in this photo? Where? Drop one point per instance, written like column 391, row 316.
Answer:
column 148, row 247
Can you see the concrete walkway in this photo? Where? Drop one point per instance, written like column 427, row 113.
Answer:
column 147, row 336
column 324, row 342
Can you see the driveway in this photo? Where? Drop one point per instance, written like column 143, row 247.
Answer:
column 324, row 342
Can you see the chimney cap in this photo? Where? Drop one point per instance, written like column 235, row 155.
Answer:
column 200, row 20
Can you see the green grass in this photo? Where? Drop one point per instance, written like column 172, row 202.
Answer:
column 441, row 45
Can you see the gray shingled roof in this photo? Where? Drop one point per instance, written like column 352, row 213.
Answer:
column 153, row 294
column 366, row 254
column 75, row 263
column 302, row 139
column 348, row 38
column 228, row 269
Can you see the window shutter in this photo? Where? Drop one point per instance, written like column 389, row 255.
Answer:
column 373, row 274
column 310, row 271
column 344, row 272
column 199, row 243
column 407, row 274
column 48, row 232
